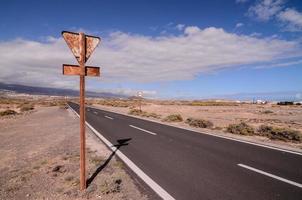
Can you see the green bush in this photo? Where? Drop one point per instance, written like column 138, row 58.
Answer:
column 8, row 112
column 276, row 133
column 241, row 129
column 173, row 118
column 200, row 123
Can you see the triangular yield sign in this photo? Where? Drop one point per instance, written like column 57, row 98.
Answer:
column 73, row 42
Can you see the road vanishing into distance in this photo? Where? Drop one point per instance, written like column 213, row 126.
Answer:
column 189, row 165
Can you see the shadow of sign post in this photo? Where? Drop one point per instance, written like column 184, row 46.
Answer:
column 82, row 47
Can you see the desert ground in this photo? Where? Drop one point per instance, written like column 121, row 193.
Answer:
column 39, row 158
column 39, row 142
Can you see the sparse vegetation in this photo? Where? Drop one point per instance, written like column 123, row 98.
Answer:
column 26, row 107
column 143, row 113
column 267, row 112
column 198, row 103
column 8, row 112
column 97, row 160
column 173, row 118
column 69, row 178
column 57, row 102
column 212, row 103
column 285, row 103
column 276, row 133
column 113, row 186
column 241, row 129
column 200, row 123
column 116, row 103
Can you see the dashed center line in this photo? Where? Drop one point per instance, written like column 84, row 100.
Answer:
column 143, row 130
column 271, row 175
column 108, row 117
column 95, row 112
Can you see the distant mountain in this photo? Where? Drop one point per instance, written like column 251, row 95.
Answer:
column 54, row 91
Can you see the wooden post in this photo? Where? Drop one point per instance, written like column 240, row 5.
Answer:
column 82, row 47
column 140, row 105
column 82, row 113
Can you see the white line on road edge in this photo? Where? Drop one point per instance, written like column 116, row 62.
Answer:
column 143, row 130
column 152, row 184
column 108, row 117
column 271, row 175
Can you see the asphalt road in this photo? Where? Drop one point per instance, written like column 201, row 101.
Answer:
column 190, row 165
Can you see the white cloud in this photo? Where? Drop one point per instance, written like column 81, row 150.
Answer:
column 292, row 19
column 239, row 25
column 283, row 64
column 180, row 27
column 190, row 30
column 264, row 10
column 138, row 58
column 255, row 34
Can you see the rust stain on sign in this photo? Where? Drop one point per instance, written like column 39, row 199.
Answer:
column 72, row 40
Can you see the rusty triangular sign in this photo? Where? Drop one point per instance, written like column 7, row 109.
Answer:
column 72, row 40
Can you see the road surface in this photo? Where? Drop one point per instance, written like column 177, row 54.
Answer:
column 190, row 165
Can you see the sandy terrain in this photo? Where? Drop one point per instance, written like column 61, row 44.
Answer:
column 39, row 159
column 222, row 116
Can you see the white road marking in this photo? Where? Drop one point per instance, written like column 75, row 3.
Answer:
column 271, row 175
column 95, row 112
column 143, row 130
column 152, row 184
column 108, row 117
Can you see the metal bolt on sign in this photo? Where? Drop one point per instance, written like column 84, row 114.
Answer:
column 82, row 47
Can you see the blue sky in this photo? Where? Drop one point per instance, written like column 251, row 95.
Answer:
column 168, row 49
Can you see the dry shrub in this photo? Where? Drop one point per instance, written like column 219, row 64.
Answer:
column 212, row 103
column 200, row 123
column 111, row 186
column 241, row 129
column 59, row 103
column 173, row 118
column 267, row 112
column 26, row 107
column 10, row 101
column 115, row 103
column 135, row 112
column 143, row 113
column 8, row 112
column 276, row 133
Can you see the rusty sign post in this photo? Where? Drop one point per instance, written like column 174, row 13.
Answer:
column 82, row 47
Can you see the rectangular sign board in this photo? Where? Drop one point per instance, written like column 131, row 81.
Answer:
column 75, row 70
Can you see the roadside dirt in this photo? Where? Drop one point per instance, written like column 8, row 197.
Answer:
column 39, row 159
column 222, row 116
